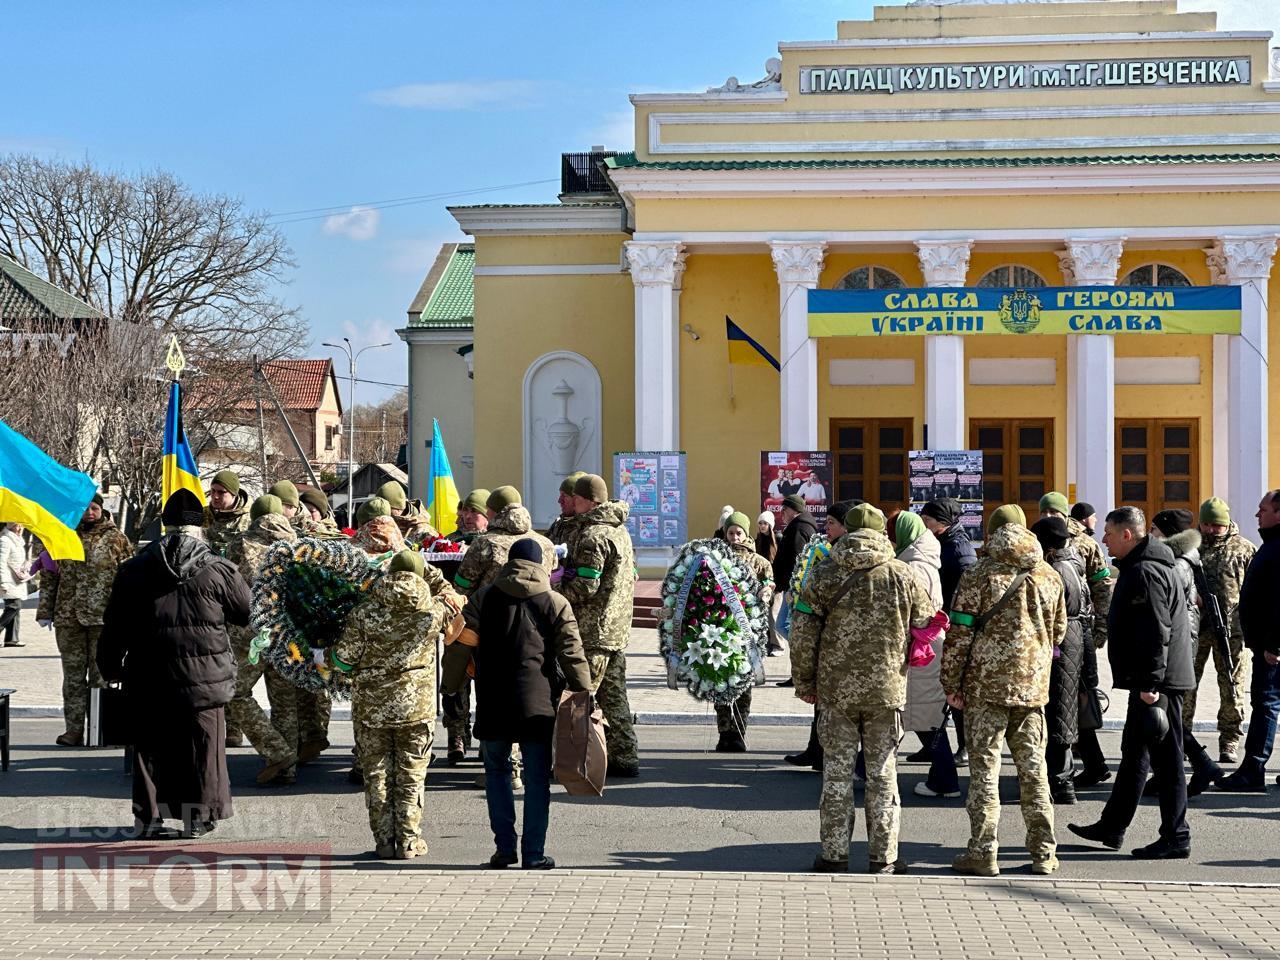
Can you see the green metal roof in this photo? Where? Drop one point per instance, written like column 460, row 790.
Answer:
column 451, row 305
column 628, row 161
column 26, row 296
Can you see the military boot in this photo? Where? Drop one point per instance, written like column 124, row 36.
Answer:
column 1203, row 770
column 457, row 750
column 822, row 865
column 976, row 866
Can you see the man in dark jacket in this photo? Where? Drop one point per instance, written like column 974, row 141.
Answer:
column 1260, row 620
column 165, row 636
column 521, row 629
column 1150, row 654
column 799, row 528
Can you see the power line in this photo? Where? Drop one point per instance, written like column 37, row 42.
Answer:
column 321, row 213
column 381, row 383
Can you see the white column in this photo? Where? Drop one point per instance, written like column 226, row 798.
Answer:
column 1248, row 265
column 798, row 265
column 945, row 263
column 1091, row 385
column 653, row 271
column 676, row 287
column 1073, row 366
column 1220, row 374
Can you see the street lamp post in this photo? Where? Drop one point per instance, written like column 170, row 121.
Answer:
column 352, row 356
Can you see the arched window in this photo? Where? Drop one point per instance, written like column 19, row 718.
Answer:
column 870, row 278
column 1012, row 275
column 1156, row 275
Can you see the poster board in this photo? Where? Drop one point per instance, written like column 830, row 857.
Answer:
column 655, row 485
column 806, row 473
column 957, row 474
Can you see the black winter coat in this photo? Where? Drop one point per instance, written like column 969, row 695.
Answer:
column 164, row 631
column 1260, row 596
column 1063, row 711
column 1150, row 645
column 791, row 544
column 958, row 555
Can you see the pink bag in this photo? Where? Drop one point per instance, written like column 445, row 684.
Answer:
column 923, row 638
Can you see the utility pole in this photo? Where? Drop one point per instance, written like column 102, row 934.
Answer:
column 382, row 443
column 352, row 356
column 262, row 428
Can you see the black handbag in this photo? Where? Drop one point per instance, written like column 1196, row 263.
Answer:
column 1093, row 705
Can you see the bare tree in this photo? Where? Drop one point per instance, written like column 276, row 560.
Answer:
column 380, row 428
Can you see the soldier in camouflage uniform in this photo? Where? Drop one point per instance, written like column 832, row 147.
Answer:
column 227, row 513
column 411, row 516
column 317, row 516
column 267, row 526
column 599, row 582
column 472, row 517
column 1096, row 571
column 72, row 601
column 999, row 676
column 558, row 532
column 389, row 648
column 850, row 632
column 731, row 719
column 1224, row 557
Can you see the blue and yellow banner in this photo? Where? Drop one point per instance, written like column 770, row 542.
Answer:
column 973, row 311
column 42, row 495
column 442, row 492
column 180, row 470
column 744, row 350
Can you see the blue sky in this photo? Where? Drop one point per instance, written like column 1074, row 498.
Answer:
column 296, row 106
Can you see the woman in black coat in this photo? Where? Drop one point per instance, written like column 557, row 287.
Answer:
column 164, row 635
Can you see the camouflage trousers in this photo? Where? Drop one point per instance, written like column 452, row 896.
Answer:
column 314, row 710
column 609, row 679
column 841, row 730
column 283, row 697
column 394, row 761
column 986, row 727
column 456, row 713
column 244, row 709
column 732, row 717
column 1232, row 692
column 78, row 647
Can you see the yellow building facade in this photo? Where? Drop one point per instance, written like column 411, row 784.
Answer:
column 944, row 145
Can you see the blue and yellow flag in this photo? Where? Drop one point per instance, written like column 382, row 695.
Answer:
column 43, row 495
column 442, row 492
column 744, row 350
column 180, row 470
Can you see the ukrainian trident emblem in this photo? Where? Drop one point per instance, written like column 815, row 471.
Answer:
column 1020, row 313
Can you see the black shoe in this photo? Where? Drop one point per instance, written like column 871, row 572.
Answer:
column 923, row 755
column 1234, row 783
column 1202, row 776
column 806, row 758
column 622, row 770
column 16, row 644
column 155, row 830
column 1152, row 788
column 542, row 863
column 785, row 683
column 500, row 860
column 1094, row 832
column 885, row 869
column 199, row 828
column 822, row 865
column 355, row 776
column 1062, row 794
column 731, row 742
column 961, row 757
column 1091, row 778
column 1163, row 850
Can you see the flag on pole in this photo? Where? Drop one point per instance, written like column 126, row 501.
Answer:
column 745, row 351
column 43, row 495
column 442, row 492
column 180, row 471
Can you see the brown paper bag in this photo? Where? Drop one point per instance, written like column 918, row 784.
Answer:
column 580, row 755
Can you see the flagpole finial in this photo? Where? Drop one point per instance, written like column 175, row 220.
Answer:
column 174, row 360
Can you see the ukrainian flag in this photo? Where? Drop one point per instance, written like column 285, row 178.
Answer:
column 442, row 492
column 180, row 469
column 744, row 350
column 43, row 495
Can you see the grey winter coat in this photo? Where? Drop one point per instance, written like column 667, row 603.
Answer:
column 925, row 698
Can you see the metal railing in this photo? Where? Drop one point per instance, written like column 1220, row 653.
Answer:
column 582, row 173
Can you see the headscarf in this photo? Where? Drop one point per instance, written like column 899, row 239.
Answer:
column 907, row 529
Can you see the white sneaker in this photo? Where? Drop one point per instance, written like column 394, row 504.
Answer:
column 922, row 790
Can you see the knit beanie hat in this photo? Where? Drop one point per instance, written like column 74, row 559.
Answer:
column 946, row 510
column 566, row 485
column 371, row 509
column 394, row 493
column 839, row 510
column 1082, row 511
column 97, row 498
column 591, row 487
column 1009, row 513
column 287, row 493
column 794, row 502
column 767, row 518
column 864, row 517
column 227, row 480
column 725, row 512
column 1170, row 522
column 183, row 509
column 501, row 498
column 409, row 561
column 739, row 519
column 907, row 529
column 1056, row 502
column 316, row 498
column 264, row 505
column 526, row 549
column 1051, row 532
column 1215, row 510
column 476, row 500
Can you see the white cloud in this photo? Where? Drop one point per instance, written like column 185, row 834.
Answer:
column 358, row 223
column 464, row 95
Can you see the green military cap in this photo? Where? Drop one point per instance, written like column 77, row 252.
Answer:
column 566, row 485
column 1056, row 502
column 1215, row 510
column 287, row 493
column 477, row 500
column 264, row 505
column 371, row 509
column 1009, row 513
column 502, row 497
column 394, row 493
column 408, row 560
column 227, row 480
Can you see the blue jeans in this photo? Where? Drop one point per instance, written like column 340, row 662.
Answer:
column 502, row 802
column 1264, row 698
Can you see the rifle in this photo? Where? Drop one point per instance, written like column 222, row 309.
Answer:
column 1217, row 623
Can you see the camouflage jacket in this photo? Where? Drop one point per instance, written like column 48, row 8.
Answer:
column 761, row 567
column 600, row 577
column 851, row 650
column 388, row 646
column 561, row 529
column 1096, row 574
column 247, row 550
column 223, row 526
column 326, row 528
column 1008, row 661
column 488, row 551
column 77, row 593
column 1225, row 560
column 415, row 524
